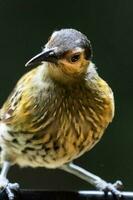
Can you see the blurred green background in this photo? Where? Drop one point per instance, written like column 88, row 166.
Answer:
column 24, row 29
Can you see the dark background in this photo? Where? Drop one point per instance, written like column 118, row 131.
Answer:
column 24, row 28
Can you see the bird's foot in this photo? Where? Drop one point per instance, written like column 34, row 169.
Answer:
column 8, row 187
column 109, row 187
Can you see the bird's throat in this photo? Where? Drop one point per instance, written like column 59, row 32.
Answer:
column 62, row 77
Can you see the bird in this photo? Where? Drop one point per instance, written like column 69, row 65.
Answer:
column 57, row 111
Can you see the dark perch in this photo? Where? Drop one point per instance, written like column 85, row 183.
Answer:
column 65, row 195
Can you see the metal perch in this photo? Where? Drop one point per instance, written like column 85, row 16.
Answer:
column 65, row 195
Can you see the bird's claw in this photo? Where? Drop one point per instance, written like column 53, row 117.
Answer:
column 10, row 189
column 118, row 185
column 109, row 187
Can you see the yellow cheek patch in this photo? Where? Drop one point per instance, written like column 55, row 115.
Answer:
column 79, row 66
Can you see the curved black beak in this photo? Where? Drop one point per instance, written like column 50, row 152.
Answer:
column 45, row 55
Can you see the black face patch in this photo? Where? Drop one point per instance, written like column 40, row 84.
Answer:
column 68, row 39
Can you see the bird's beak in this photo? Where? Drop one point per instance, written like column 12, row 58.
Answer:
column 45, row 55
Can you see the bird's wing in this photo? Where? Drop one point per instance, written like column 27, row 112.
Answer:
column 18, row 109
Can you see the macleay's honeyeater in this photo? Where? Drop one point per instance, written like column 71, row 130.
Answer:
column 58, row 111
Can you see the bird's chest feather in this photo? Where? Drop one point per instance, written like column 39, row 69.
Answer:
column 57, row 125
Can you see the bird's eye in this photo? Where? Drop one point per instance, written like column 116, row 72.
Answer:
column 75, row 58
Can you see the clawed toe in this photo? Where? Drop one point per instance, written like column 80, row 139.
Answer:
column 108, row 187
column 114, row 189
column 13, row 186
column 10, row 189
column 118, row 185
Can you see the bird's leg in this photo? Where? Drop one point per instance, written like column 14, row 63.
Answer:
column 3, row 180
column 4, row 183
column 93, row 179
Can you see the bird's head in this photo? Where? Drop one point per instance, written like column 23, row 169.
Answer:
column 68, row 53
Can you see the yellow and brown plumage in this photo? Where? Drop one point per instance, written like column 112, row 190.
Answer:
column 60, row 109
column 56, row 121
